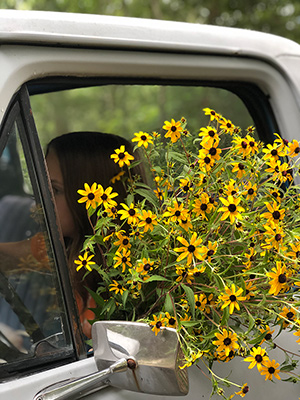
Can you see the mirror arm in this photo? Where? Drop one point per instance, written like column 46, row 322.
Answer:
column 69, row 390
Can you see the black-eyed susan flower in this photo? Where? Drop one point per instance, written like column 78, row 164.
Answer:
column 239, row 169
column 200, row 301
column 145, row 266
column 250, row 288
column 189, row 249
column 275, row 213
column 130, row 214
column 266, row 330
column 231, row 188
column 293, row 148
column 212, row 114
column 227, row 126
column 84, row 261
column 270, row 369
column 297, row 333
column 122, row 258
column 258, row 357
column 158, row 323
column 184, row 274
column 173, row 129
column 203, row 205
column 295, row 252
column 177, row 212
column 210, row 136
column 227, row 341
column 116, row 287
column 211, row 150
column 106, row 196
column 123, row 241
column 250, row 191
column 186, row 224
column 287, row 316
column 90, row 195
column 122, row 157
column 231, row 209
column 170, row 320
column 273, row 237
column 186, row 185
column 142, row 139
column 244, row 390
column 231, row 297
column 147, row 220
column 278, row 278
column 209, row 250
column 272, row 152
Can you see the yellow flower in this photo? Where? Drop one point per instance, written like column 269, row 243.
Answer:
column 173, row 129
column 122, row 157
column 273, row 236
column 226, row 342
column 293, row 148
column 250, row 191
column 170, row 320
column 267, row 332
column 145, row 266
column 249, row 290
column 106, row 197
column 84, row 261
column 231, row 209
column 244, row 390
column 210, row 136
column 122, row 258
column 239, row 168
column 203, row 205
column 123, row 241
column 117, row 177
column 211, row 150
column 176, row 213
column 278, row 278
column 289, row 315
column 116, row 287
column 143, row 139
column 209, row 251
column 270, row 369
column 129, row 213
column 275, row 214
column 90, row 195
column 147, row 220
column 212, row 113
column 186, row 224
column 200, row 301
column 231, row 298
column 258, row 357
column 272, row 152
column 189, row 249
column 227, row 126
column 158, row 323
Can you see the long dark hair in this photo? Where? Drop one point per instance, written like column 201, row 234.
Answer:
column 84, row 157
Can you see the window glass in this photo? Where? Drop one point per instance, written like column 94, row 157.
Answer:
column 31, row 309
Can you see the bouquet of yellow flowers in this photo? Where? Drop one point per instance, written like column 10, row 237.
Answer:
column 212, row 246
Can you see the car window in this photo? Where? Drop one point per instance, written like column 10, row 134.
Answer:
column 33, row 323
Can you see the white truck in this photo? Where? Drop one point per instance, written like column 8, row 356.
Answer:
column 46, row 59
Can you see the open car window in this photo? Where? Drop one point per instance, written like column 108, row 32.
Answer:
column 33, row 318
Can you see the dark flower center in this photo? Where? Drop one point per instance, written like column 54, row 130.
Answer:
column 104, row 197
column 143, row 137
column 228, row 125
column 278, row 237
column 241, row 166
column 172, row 321
column 297, row 150
column 191, row 248
column 207, row 160
column 147, row 267
column 250, row 191
column 213, row 151
column 211, row 133
column 276, row 214
column 173, row 129
column 177, row 213
column 258, row 358
column 244, row 144
column 232, row 298
column 290, row 315
column 232, row 208
column 271, row 370
column 158, row 324
column 91, row 196
column 119, row 286
column 131, row 212
column 198, row 304
column 274, row 152
column 125, row 242
column 282, row 278
column 252, row 144
column 84, row 262
column 121, row 156
column 268, row 336
column 210, row 253
column 148, row 220
column 227, row 341
column 203, row 207
column 124, row 259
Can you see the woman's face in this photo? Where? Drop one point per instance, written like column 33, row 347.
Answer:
column 64, row 214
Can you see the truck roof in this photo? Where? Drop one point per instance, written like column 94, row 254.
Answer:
column 84, row 30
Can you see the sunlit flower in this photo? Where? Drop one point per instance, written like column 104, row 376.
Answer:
column 184, row 274
column 231, row 298
column 186, row 224
column 250, row 191
column 122, row 258
column 258, row 357
column 273, row 237
column 267, row 334
column 147, row 220
column 270, row 369
column 212, row 113
column 106, row 196
column 239, row 168
column 90, row 195
column 176, row 213
column 231, row 209
column 210, row 136
column 145, row 266
column 85, row 261
column 231, row 189
column 122, row 157
column 129, row 213
column 123, row 241
column 278, row 278
column 143, row 139
column 209, row 250
column 293, row 148
column 170, row 320
column 288, row 315
column 186, row 185
column 203, row 205
column 206, row 162
column 227, row 126
column 200, row 301
column 173, row 129
column 295, row 252
column 226, row 342
column 210, row 150
column 250, row 290
column 158, row 323
column 275, row 214
column 116, row 287
column 272, row 152
column 189, row 249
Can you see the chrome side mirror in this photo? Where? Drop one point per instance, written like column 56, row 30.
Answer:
column 128, row 356
column 153, row 361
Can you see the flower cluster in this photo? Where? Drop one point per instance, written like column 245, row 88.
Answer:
column 210, row 248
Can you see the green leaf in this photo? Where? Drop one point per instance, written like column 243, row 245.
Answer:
column 155, row 278
column 148, row 195
column 124, row 297
column 190, row 297
column 168, row 304
column 173, row 155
